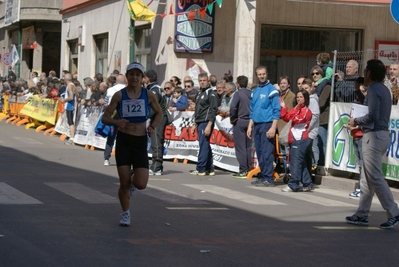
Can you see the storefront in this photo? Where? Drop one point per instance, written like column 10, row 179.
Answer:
column 284, row 35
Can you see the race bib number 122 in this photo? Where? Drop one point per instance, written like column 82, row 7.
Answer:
column 133, row 108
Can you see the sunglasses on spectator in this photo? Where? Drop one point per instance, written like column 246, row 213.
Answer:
column 187, row 86
column 315, row 73
column 167, row 88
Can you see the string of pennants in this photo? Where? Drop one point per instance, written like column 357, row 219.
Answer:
column 191, row 14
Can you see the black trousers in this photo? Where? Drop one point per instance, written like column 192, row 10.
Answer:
column 157, row 146
column 242, row 145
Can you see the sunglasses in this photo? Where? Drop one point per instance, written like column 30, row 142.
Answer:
column 187, row 86
column 315, row 73
column 167, row 88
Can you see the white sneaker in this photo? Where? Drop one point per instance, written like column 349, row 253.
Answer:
column 154, row 173
column 125, row 220
column 106, row 162
column 133, row 190
column 68, row 142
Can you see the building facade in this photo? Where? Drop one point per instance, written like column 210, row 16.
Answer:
column 34, row 27
column 284, row 35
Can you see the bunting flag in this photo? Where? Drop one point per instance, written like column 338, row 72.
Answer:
column 191, row 63
column 139, row 11
column 190, row 14
column 169, row 41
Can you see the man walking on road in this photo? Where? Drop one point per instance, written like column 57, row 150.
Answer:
column 375, row 144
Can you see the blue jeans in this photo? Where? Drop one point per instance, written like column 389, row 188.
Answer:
column 322, row 144
column 265, row 149
column 205, row 158
column 298, row 168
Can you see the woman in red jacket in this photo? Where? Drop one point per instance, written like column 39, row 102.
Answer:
column 299, row 141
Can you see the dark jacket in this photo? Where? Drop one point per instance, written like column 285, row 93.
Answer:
column 160, row 94
column 206, row 106
column 239, row 106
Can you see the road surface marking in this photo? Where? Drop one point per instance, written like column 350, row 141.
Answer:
column 10, row 195
column 346, row 228
column 171, row 197
column 236, row 195
column 83, row 193
column 196, row 208
column 306, row 196
column 28, row 140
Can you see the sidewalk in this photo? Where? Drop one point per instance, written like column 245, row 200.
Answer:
column 340, row 180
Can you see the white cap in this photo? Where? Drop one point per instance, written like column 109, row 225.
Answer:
column 135, row 65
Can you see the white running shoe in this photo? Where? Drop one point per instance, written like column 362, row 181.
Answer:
column 133, row 190
column 125, row 220
column 106, row 162
column 152, row 173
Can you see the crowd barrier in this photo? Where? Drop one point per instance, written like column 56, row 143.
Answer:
column 340, row 152
column 180, row 145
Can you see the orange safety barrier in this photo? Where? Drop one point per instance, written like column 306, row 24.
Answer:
column 176, row 160
column 277, row 154
column 4, row 114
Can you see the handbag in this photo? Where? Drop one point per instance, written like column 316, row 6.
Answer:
column 283, row 135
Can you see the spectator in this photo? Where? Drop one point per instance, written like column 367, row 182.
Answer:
column 191, row 103
column 392, row 81
column 324, row 105
column 169, row 89
column 220, row 91
column 229, row 91
column 345, row 86
column 323, row 60
column 69, row 101
column 157, row 139
column 120, row 84
column 35, row 77
column 239, row 118
column 265, row 112
column 284, row 85
column 176, row 81
column 189, row 88
column 179, row 100
column 299, row 141
column 204, row 118
column 98, row 77
column 227, row 78
column 213, row 81
column 312, row 154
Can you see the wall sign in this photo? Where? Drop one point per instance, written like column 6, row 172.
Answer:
column 196, row 35
column 387, row 51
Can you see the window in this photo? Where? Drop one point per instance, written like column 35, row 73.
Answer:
column 101, row 42
column 289, row 50
column 309, row 39
column 73, row 56
column 143, row 46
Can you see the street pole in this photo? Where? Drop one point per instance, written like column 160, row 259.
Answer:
column 19, row 49
column 132, row 43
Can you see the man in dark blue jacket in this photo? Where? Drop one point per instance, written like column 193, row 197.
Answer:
column 239, row 118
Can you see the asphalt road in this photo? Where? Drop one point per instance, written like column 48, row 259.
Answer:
column 59, row 207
